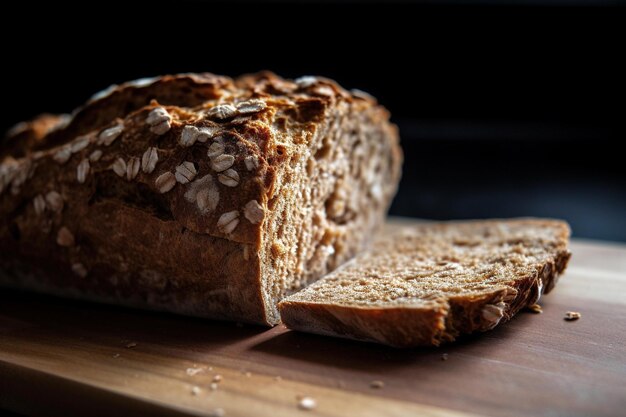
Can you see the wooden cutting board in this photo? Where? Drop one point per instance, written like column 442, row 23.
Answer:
column 60, row 357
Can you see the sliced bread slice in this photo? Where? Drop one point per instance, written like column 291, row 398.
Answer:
column 428, row 284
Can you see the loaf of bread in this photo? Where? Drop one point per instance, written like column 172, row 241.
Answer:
column 196, row 193
column 428, row 284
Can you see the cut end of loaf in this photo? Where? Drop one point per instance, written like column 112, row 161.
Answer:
column 429, row 284
column 334, row 181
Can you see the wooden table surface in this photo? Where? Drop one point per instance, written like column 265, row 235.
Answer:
column 60, row 357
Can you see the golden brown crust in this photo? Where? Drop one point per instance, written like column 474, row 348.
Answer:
column 24, row 137
column 182, row 178
column 467, row 314
column 398, row 327
column 434, row 312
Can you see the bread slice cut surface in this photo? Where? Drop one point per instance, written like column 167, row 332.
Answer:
column 431, row 283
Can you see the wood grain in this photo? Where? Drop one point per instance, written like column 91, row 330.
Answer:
column 60, row 357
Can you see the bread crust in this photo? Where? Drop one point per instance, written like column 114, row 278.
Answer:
column 22, row 138
column 157, row 193
column 398, row 327
column 445, row 318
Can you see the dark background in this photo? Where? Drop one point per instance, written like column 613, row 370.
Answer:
column 504, row 110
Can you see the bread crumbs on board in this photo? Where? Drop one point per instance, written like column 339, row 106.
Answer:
column 572, row 315
column 377, row 384
column 306, row 403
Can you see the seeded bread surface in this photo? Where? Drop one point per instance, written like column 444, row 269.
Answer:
column 196, row 193
column 428, row 284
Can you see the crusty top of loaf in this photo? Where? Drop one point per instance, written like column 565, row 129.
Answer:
column 203, row 146
column 423, row 265
column 22, row 138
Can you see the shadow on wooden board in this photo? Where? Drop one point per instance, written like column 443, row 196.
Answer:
column 77, row 316
column 372, row 357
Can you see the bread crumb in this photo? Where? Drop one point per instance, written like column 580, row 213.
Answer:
column 194, row 371
column 248, row 374
column 217, row 378
column 572, row 315
column 306, row 403
column 535, row 308
column 213, row 386
column 217, row 412
column 130, row 345
column 116, row 355
column 444, row 357
column 195, row 390
column 377, row 384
